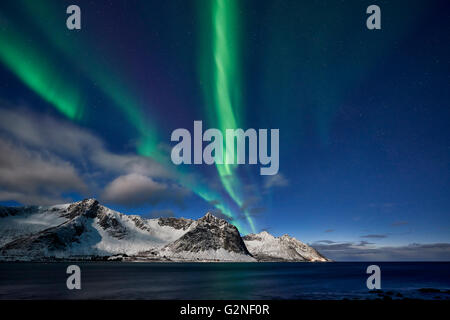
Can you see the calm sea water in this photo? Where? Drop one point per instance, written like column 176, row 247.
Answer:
column 111, row 280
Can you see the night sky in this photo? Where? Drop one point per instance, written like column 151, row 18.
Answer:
column 363, row 115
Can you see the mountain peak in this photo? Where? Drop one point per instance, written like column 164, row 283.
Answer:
column 89, row 201
column 211, row 238
column 211, row 218
column 87, row 207
column 264, row 235
column 208, row 215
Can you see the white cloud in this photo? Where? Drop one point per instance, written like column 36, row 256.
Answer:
column 30, row 177
column 277, row 180
column 44, row 132
column 67, row 140
column 41, row 158
column 135, row 189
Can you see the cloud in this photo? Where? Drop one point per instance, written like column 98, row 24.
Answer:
column 42, row 158
column 375, row 236
column 325, row 241
column 162, row 214
column 135, row 190
column 366, row 251
column 37, row 132
column 364, row 243
column 277, row 180
column 30, row 177
column 128, row 163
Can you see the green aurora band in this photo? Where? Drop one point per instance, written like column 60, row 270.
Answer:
column 32, row 67
column 96, row 69
column 38, row 72
column 224, row 95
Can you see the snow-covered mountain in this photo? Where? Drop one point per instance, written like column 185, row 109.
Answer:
column 210, row 238
column 265, row 247
column 84, row 228
column 88, row 230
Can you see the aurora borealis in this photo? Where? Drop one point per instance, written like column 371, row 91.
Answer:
column 114, row 88
column 38, row 73
column 362, row 114
column 226, row 84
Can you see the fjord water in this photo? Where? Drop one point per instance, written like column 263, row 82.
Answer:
column 118, row 280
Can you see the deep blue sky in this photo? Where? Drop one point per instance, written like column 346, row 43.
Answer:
column 363, row 115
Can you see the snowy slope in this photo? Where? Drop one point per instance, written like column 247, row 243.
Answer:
column 19, row 222
column 265, row 247
column 84, row 228
column 88, row 230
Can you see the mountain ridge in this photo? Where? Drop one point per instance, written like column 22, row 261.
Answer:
column 87, row 230
column 266, row 247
